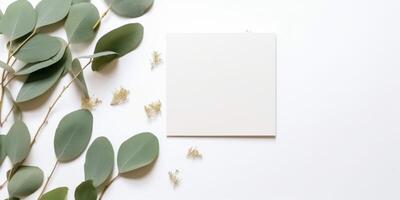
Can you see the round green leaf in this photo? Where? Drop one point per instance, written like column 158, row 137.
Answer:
column 121, row 41
column 138, row 151
column 32, row 67
column 40, row 47
column 86, row 191
column 80, row 21
column 25, row 181
column 51, row 11
column 130, row 8
column 73, row 134
column 3, row 152
column 18, row 142
column 42, row 80
column 18, row 20
column 99, row 162
column 56, row 194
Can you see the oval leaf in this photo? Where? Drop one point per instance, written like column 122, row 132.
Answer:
column 40, row 47
column 130, row 8
column 18, row 142
column 51, row 11
column 25, row 181
column 18, row 20
column 80, row 22
column 80, row 79
column 121, row 41
column 32, row 67
column 73, row 134
column 99, row 162
column 138, row 151
column 86, row 191
column 41, row 81
column 3, row 153
column 56, row 194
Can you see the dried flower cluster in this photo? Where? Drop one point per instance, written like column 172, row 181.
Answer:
column 153, row 109
column 173, row 177
column 90, row 103
column 194, row 153
column 120, row 96
column 155, row 59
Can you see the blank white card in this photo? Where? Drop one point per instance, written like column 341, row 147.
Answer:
column 221, row 84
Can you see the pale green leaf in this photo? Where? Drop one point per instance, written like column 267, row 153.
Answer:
column 18, row 142
column 130, row 8
column 25, row 181
column 73, row 134
column 40, row 47
column 56, row 194
column 79, row 1
column 86, row 191
column 80, row 21
column 100, row 54
column 33, row 67
column 6, row 67
column 42, row 80
column 51, row 11
column 3, row 153
column 18, row 20
column 121, row 40
column 138, row 151
column 80, row 79
column 99, row 163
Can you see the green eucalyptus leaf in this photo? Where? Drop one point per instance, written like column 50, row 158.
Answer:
column 76, row 68
column 79, row 1
column 25, row 181
column 67, row 61
column 86, row 191
column 80, row 21
column 130, row 8
column 56, row 194
column 3, row 153
column 51, row 11
column 40, row 47
column 33, row 67
column 7, row 67
column 138, row 151
column 73, row 134
column 100, row 54
column 18, row 142
column 99, row 163
column 18, row 20
column 42, row 80
column 121, row 40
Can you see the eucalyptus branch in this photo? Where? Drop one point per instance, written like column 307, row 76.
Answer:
column 48, row 179
column 107, row 186
column 102, row 16
column 7, row 116
column 23, row 43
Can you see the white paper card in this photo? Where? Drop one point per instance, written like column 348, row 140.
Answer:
column 221, row 84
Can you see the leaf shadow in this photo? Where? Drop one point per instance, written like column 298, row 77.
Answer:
column 109, row 68
column 139, row 173
column 37, row 102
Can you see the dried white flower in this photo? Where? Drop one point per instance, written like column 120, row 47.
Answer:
column 155, row 59
column 173, row 177
column 120, row 96
column 90, row 103
column 194, row 153
column 153, row 109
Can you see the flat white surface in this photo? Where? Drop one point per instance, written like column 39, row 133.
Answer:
column 338, row 105
column 221, row 84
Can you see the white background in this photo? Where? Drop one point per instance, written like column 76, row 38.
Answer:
column 338, row 105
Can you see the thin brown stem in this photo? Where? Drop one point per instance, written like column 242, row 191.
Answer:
column 102, row 16
column 9, row 80
column 23, row 43
column 48, row 179
column 107, row 186
column 7, row 116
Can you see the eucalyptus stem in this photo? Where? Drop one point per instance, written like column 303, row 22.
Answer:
column 7, row 116
column 48, row 179
column 107, row 186
column 102, row 16
column 23, row 43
